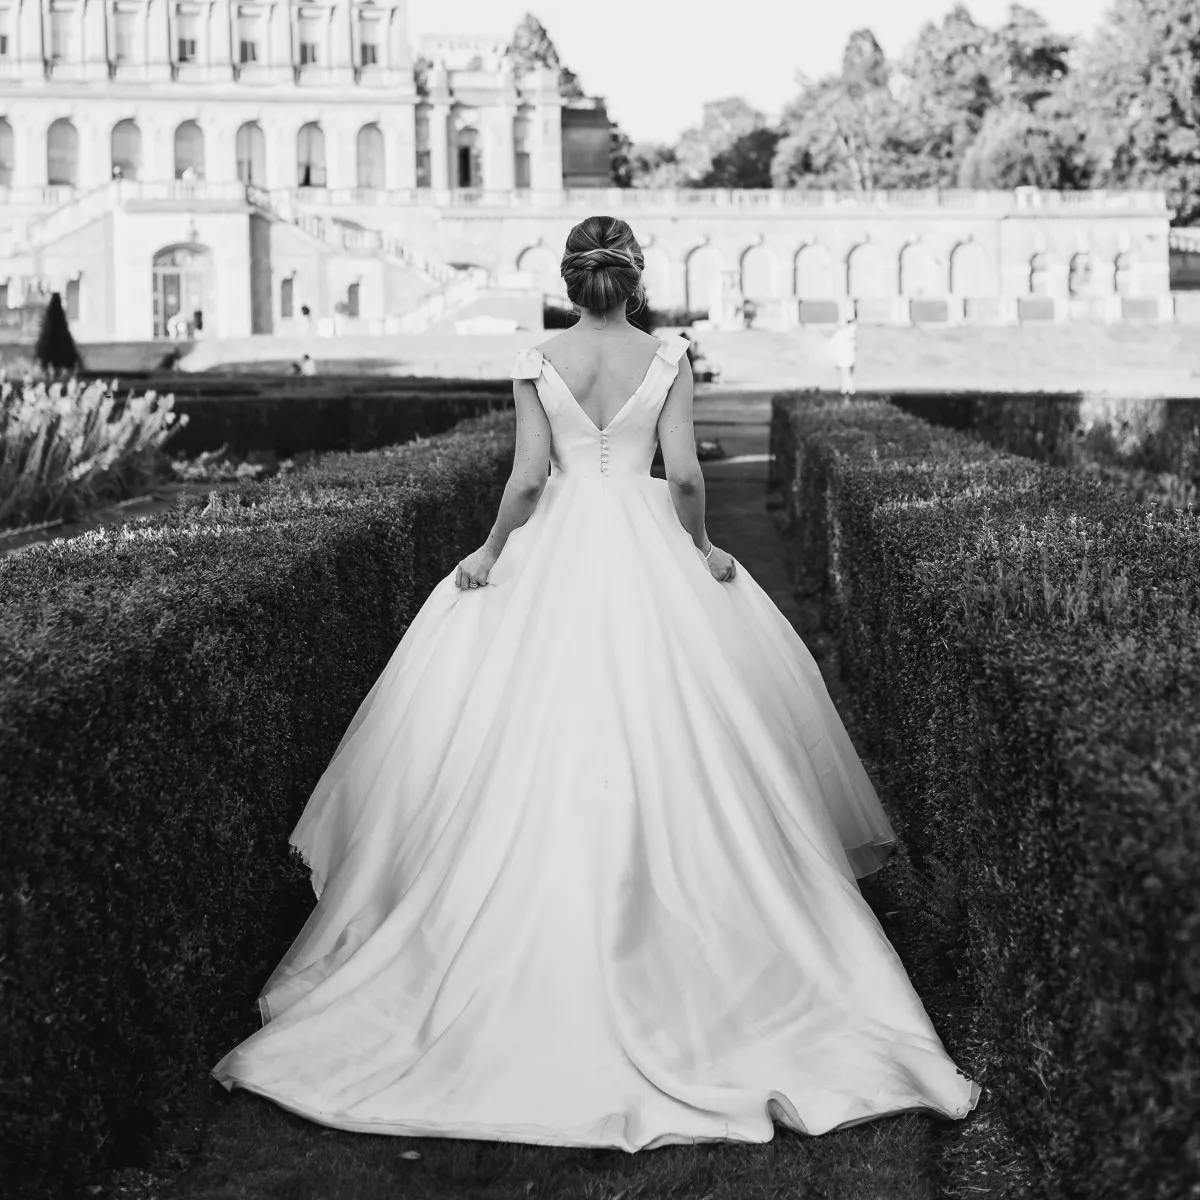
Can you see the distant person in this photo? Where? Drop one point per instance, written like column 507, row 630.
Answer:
column 844, row 347
column 306, row 316
column 307, row 366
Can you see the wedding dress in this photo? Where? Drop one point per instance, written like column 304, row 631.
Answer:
column 586, row 856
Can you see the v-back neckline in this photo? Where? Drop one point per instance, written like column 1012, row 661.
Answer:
column 645, row 379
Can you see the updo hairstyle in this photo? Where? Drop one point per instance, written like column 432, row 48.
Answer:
column 602, row 265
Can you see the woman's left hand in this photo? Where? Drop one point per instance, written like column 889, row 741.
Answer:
column 474, row 570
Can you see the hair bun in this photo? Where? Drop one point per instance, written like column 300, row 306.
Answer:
column 601, row 258
column 602, row 264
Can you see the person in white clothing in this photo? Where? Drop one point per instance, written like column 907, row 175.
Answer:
column 844, row 346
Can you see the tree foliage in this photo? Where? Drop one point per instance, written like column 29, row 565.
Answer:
column 1143, row 84
column 966, row 105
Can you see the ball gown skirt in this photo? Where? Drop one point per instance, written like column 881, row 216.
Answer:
column 586, row 857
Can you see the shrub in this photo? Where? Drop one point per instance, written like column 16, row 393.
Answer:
column 1148, row 447
column 55, row 348
column 1024, row 646
column 169, row 694
column 67, row 447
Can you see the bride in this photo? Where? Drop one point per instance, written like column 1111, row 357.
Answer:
column 586, row 858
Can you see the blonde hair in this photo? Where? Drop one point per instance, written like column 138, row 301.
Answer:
column 602, row 264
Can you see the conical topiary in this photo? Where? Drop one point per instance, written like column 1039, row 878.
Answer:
column 56, row 349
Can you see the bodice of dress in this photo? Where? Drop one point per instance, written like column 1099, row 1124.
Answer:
column 625, row 446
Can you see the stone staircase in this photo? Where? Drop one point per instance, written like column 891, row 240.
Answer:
column 455, row 287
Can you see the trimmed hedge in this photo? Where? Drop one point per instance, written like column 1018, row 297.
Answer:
column 1024, row 646
column 1152, row 436
column 297, row 418
column 169, row 694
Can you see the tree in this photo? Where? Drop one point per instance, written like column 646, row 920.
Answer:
column 1017, row 147
column 844, row 131
column 55, row 348
column 531, row 47
column 1030, row 60
column 945, row 88
column 726, row 148
column 620, row 157
column 1143, row 72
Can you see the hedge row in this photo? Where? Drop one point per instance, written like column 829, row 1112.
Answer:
column 1073, row 430
column 1024, row 644
column 169, row 694
column 290, row 422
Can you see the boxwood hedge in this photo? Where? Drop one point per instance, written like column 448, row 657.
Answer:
column 169, row 694
column 1024, row 645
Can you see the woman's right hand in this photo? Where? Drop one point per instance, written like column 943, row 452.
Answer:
column 721, row 565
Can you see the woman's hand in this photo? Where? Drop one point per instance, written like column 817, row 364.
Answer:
column 474, row 570
column 721, row 565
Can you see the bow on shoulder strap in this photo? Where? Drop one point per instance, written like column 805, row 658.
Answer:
column 528, row 364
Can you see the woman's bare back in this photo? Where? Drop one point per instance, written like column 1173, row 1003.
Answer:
column 602, row 367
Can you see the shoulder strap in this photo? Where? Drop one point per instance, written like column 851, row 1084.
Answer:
column 528, row 364
column 672, row 348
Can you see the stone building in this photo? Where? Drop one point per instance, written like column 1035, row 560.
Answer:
column 223, row 168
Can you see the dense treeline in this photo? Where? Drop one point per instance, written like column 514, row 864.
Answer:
column 968, row 106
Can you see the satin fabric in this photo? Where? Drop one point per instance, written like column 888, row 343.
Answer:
column 586, row 856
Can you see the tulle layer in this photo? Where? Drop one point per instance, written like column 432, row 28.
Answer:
column 586, row 862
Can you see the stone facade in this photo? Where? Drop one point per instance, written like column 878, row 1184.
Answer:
column 221, row 168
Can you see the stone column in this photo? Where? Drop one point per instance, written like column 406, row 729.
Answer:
column 158, row 41
column 29, row 149
column 222, row 46
column 546, row 166
column 399, row 130
column 499, row 168
column 95, row 148
column 341, row 49
column 397, row 52
column 439, row 129
column 95, row 41
column 32, row 40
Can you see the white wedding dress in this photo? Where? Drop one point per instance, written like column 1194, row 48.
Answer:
column 586, row 856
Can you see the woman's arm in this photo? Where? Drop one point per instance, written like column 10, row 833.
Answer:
column 677, row 437
column 531, row 465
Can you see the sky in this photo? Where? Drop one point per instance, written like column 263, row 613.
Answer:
column 657, row 61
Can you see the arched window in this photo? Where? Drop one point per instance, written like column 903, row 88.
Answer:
column 352, row 300
column 310, row 156
column 969, row 274
column 758, row 274
column 864, row 272
column 6, row 153
column 814, row 274
column 370, row 158
column 468, row 164
column 656, row 278
column 1123, row 275
column 126, row 148
column 1079, row 279
column 1039, row 275
column 189, row 151
column 251, row 150
column 62, row 154
column 918, row 271
column 703, row 279
column 287, row 290
column 543, row 265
